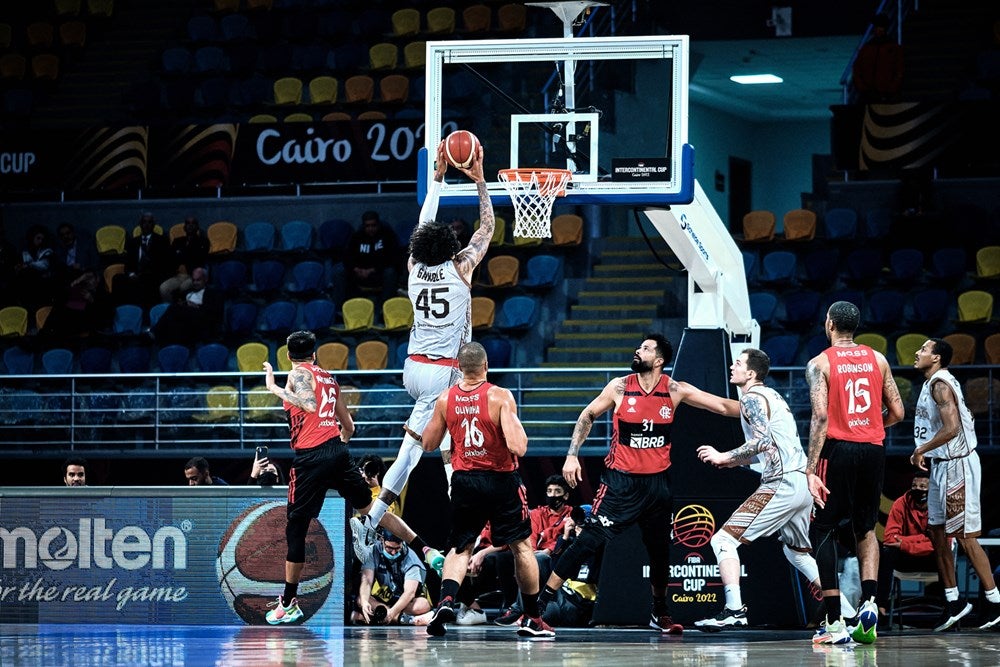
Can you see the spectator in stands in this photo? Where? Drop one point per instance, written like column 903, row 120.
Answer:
column 392, row 586
column 82, row 309
column 74, row 254
column 147, row 264
column 195, row 317
column 75, row 471
column 462, row 231
column 33, row 275
column 264, row 471
column 9, row 259
column 906, row 545
column 372, row 259
column 197, row 473
column 187, row 253
column 878, row 69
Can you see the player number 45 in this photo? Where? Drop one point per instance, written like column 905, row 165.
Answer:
column 431, row 302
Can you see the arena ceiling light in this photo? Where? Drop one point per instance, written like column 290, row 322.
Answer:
column 751, row 79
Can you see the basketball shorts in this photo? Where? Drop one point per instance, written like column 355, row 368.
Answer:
column 478, row 496
column 953, row 496
column 852, row 471
column 625, row 498
column 319, row 469
column 784, row 508
column 425, row 382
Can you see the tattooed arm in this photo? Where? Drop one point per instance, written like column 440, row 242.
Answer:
column 819, row 395
column 469, row 257
column 755, row 411
column 298, row 390
column 609, row 398
column 891, row 399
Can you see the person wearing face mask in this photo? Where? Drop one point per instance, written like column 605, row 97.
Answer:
column 392, row 586
column 906, row 546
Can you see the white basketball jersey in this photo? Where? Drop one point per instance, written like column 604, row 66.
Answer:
column 442, row 310
column 927, row 420
column 786, row 454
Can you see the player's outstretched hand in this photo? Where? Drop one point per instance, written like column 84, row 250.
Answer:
column 440, row 163
column 817, row 489
column 475, row 170
column 710, row 455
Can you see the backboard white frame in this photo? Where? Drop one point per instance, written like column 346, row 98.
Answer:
column 680, row 187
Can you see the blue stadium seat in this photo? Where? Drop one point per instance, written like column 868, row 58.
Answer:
column 307, row 276
column 240, row 318
column 58, row 361
column 18, row 361
column 763, row 306
column 841, row 223
column 751, row 266
column 133, row 359
column 173, row 358
column 128, row 319
column 176, row 60
column 258, row 237
column 820, row 267
column 278, row 318
column 95, row 360
column 948, row 265
column 801, row 309
column 296, row 235
column 885, row 309
column 906, row 265
column 212, row 358
column 929, row 308
column 268, row 276
column 782, row 350
column 231, row 276
column 318, row 314
column 542, row 272
column 518, row 314
column 234, row 27
column 210, row 60
column 855, row 296
column 779, row 268
column 878, row 223
column 864, row 266
column 498, row 351
column 156, row 312
column 202, row 29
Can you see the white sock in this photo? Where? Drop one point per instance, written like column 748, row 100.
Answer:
column 993, row 595
column 734, row 601
column 378, row 510
column 951, row 594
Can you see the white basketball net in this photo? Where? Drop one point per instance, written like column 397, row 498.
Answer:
column 533, row 191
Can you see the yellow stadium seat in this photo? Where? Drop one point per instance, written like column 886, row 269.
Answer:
column 250, row 357
column 371, row 355
column 975, row 306
column 499, row 230
column 875, row 341
column 415, row 55
column 110, row 240
column 176, row 231
column 440, row 21
column 284, row 363
column 13, row 321
column 263, row 118
column 332, row 356
column 988, row 262
column 323, row 90
column 262, row 405
column 137, row 230
column 221, row 237
column 221, row 404
column 397, row 314
column 288, row 90
column 405, row 22
column 298, row 117
column 383, row 56
column 907, row 346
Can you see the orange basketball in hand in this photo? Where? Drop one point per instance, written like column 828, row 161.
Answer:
column 460, row 147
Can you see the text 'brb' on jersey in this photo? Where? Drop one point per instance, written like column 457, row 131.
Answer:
column 442, row 310
column 854, row 408
column 476, row 442
column 311, row 429
column 641, row 439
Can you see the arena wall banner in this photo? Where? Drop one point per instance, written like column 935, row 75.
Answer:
column 153, row 555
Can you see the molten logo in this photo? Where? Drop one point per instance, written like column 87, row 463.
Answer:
column 694, row 526
column 58, row 548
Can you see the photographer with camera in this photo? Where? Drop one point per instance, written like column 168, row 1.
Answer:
column 392, row 586
column 264, row 471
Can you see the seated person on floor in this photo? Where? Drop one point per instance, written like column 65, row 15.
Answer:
column 392, row 589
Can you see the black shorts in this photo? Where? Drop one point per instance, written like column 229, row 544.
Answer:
column 853, row 473
column 317, row 470
column 626, row 498
column 481, row 496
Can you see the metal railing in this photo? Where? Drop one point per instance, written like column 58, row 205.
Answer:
column 186, row 414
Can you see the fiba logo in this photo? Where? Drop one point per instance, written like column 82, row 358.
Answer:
column 694, row 526
column 251, row 563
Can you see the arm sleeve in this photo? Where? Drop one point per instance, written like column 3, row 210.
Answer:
column 428, row 212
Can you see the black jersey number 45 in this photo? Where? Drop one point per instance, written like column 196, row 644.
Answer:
column 431, row 302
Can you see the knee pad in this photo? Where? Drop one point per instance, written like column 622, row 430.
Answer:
column 407, row 459
column 295, row 536
column 803, row 562
column 725, row 545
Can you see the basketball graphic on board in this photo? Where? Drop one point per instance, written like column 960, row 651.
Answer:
column 251, row 563
column 460, row 147
column 694, row 526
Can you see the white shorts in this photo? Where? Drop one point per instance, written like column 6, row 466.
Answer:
column 425, row 382
column 784, row 510
column 953, row 496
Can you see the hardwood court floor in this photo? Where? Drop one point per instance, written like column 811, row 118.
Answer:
column 89, row 645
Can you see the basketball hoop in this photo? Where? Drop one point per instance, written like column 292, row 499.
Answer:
column 532, row 192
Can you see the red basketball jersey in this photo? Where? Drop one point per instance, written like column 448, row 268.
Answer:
column 311, row 429
column 640, row 442
column 476, row 442
column 854, row 407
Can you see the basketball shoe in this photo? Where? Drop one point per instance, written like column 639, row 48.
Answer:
column 832, row 633
column 282, row 614
column 953, row 612
column 990, row 615
column 362, row 536
column 534, row 627
column 509, row 617
column 469, row 616
column 665, row 624
column 864, row 631
column 443, row 613
column 727, row 618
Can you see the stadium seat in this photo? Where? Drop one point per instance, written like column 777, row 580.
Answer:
column 13, row 66
column 864, row 266
column 885, row 309
column 202, row 29
column 801, row 309
column 359, row 89
column 394, row 89
column 231, row 276
column 415, row 55
column 18, row 361
column 41, row 316
column 542, row 272
column 963, row 347
column 278, row 318
column 173, row 358
column 906, row 266
column 929, row 308
column 282, row 362
column 13, row 321
column 477, row 19
column 440, row 21
column 975, row 306
column 262, row 405
column 498, row 351
column 68, row 8
column 405, row 22
column 358, row 315
column 820, row 267
column 567, row 230
column 332, row 356
column 907, row 346
column 512, row 18
column 948, row 265
column 878, row 223
column 222, row 237
column 323, row 90
column 371, row 355
column 483, row 312
column 45, row 66
column 317, row 315
column 250, row 357
column 782, row 349
column 110, row 240
column 212, row 358
column 383, row 56
column 240, row 318
column 263, row 118
column 763, row 307
column 397, row 314
column 779, row 268
column 988, row 262
column 502, row 271
column 337, row 117
column 221, row 405
column 235, row 27
column 40, row 35
column 334, row 235
column 57, row 361
column 268, row 276
column 95, row 360
column 307, row 278
column 751, row 267
column 156, row 312
column 258, row 237
column 518, row 314
column 758, row 226
column 288, row 91
column 799, row 225
column 499, row 231
column 991, row 349
column 296, row 236
column 841, row 224
column 128, row 320
column 210, row 60
column 875, row 341
column 73, row 34
column 134, row 359
column 982, row 396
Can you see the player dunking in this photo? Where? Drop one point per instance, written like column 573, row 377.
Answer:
column 320, row 427
column 440, row 273
column 635, row 486
column 849, row 384
column 488, row 437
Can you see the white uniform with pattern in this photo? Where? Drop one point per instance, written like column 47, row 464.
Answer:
column 956, row 474
column 782, row 502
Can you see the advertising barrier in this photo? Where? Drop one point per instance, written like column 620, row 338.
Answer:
column 145, row 555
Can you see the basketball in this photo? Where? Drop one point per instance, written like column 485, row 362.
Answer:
column 460, row 147
column 251, row 563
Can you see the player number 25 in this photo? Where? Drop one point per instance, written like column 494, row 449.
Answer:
column 329, row 402
column 431, row 302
